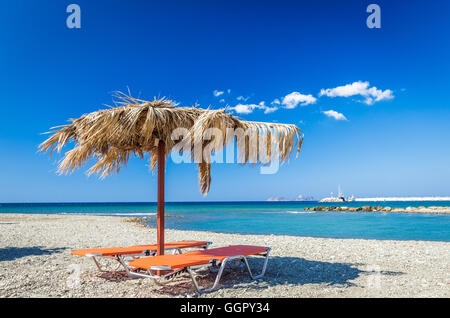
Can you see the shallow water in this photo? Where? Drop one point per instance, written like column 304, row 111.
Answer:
column 283, row 218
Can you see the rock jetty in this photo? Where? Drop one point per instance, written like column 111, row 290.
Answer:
column 369, row 208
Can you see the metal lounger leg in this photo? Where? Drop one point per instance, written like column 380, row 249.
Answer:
column 118, row 258
column 216, row 282
column 121, row 260
column 263, row 271
column 222, row 266
column 177, row 250
column 98, row 265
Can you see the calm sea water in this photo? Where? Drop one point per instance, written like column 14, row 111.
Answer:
column 282, row 218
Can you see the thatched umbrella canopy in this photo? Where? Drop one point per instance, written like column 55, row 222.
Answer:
column 139, row 127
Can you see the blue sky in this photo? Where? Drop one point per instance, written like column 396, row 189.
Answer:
column 186, row 50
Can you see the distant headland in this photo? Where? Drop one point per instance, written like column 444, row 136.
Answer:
column 299, row 198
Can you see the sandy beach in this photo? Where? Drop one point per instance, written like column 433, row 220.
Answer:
column 35, row 261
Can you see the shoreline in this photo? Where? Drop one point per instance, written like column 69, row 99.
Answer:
column 35, row 261
column 301, row 236
column 141, row 222
column 436, row 231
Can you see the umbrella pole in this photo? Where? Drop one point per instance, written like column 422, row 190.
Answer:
column 161, row 166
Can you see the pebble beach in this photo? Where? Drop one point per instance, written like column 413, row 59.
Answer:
column 35, row 261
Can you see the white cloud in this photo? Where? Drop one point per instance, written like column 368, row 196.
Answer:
column 228, row 91
column 269, row 110
column 276, row 101
column 356, row 88
column 371, row 94
column 244, row 108
column 249, row 108
column 222, row 101
column 217, row 93
column 334, row 114
column 242, row 98
column 293, row 99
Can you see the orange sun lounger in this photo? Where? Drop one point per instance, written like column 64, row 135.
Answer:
column 215, row 257
column 120, row 253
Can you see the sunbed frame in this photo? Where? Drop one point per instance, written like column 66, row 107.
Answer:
column 122, row 258
column 213, row 263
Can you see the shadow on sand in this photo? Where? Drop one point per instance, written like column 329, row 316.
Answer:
column 294, row 270
column 10, row 253
column 280, row 271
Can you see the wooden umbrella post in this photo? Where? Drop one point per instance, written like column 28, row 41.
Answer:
column 161, row 166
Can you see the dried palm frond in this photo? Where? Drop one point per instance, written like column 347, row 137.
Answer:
column 135, row 127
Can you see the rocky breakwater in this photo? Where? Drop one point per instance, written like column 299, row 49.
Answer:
column 366, row 208
column 369, row 208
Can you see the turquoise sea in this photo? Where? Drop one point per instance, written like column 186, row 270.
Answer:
column 280, row 218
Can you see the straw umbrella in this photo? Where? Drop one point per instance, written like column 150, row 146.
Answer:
column 145, row 128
